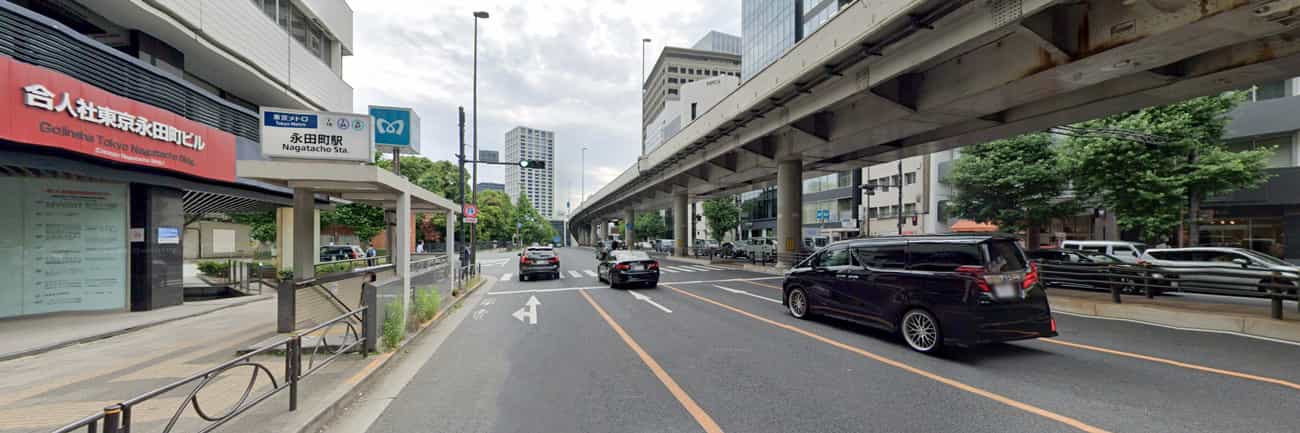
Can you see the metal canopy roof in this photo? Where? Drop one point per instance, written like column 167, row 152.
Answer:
column 353, row 182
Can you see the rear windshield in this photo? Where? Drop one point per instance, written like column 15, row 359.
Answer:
column 1004, row 256
column 541, row 254
column 632, row 255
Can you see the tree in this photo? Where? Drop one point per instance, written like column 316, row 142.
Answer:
column 366, row 221
column 722, row 215
column 1150, row 186
column 650, row 225
column 496, row 220
column 261, row 224
column 1015, row 183
column 531, row 226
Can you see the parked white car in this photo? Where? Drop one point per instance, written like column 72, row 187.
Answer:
column 1127, row 252
column 1224, row 268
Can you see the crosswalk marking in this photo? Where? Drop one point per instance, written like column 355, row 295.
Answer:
column 505, row 277
column 559, row 275
column 697, row 267
column 671, row 271
column 589, row 272
column 713, row 268
column 575, row 274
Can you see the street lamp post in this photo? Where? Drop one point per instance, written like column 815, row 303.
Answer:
column 583, row 169
column 473, row 233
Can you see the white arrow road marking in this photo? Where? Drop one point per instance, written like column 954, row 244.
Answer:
column 478, row 315
column 742, row 292
column 641, row 297
column 529, row 310
column 589, row 272
column 505, row 277
column 575, row 274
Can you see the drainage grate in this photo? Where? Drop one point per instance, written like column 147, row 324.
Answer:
column 1004, row 12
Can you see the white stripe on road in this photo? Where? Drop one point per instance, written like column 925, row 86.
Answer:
column 641, row 297
column 505, row 277
column 713, row 268
column 678, row 269
column 569, row 289
column 698, row 268
column 589, row 272
column 742, row 292
column 575, row 274
column 663, row 269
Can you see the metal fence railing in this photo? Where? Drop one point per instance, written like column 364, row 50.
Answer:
column 262, row 383
column 1151, row 281
column 325, row 268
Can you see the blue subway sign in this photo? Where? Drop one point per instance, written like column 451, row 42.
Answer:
column 396, row 128
column 289, row 120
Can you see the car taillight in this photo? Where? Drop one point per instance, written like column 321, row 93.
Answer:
column 1031, row 278
column 978, row 273
column 622, row 266
column 523, row 260
column 555, row 260
column 1053, row 324
column 652, row 265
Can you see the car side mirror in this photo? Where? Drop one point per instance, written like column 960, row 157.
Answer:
column 521, row 254
column 1242, row 262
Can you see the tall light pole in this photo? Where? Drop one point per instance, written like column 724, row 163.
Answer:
column 473, row 233
column 583, row 197
column 644, row 41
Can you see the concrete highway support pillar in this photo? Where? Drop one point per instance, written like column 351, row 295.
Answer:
column 629, row 227
column 789, row 205
column 681, row 229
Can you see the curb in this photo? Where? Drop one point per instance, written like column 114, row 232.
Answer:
column 1262, row 327
column 333, row 410
column 127, row 330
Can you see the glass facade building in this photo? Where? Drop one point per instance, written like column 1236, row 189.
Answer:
column 718, row 42
column 769, row 27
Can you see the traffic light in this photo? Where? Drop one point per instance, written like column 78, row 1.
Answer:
column 528, row 163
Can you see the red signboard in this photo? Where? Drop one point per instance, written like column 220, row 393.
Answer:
column 48, row 108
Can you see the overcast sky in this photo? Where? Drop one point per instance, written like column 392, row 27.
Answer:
column 572, row 67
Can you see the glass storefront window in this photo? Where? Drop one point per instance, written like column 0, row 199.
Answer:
column 1263, row 234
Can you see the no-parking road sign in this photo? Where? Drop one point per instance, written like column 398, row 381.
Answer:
column 471, row 213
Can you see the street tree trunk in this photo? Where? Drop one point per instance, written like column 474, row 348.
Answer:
column 1032, row 234
column 1193, row 207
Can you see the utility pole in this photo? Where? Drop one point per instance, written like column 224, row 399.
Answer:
column 473, row 233
column 461, row 171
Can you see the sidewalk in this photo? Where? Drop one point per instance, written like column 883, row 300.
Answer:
column 1210, row 313
column 31, row 335
column 41, row 392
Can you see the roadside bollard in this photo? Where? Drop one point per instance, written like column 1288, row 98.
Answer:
column 113, row 419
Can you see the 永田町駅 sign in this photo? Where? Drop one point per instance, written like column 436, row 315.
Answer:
column 301, row 134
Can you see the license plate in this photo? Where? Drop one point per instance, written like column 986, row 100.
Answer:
column 637, row 267
column 1005, row 286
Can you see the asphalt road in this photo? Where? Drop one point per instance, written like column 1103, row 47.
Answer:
column 713, row 350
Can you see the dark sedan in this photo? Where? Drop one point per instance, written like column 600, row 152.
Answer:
column 960, row 290
column 536, row 261
column 622, row 267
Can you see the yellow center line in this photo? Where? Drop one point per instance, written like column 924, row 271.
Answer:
column 706, row 422
column 1246, row 376
column 1080, row 425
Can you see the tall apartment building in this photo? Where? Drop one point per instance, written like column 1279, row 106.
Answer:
column 770, row 27
column 534, row 144
column 172, row 88
column 676, row 67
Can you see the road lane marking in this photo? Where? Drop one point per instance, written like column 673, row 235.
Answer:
column 1203, row 368
column 575, row 274
column 478, row 315
column 713, row 268
column 589, row 272
column 529, row 310
column 1080, row 425
column 664, row 269
column 766, row 285
column 1180, row 328
column 570, row 289
column 506, row 276
column 647, row 300
column 698, row 268
column 701, row 417
column 742, row 292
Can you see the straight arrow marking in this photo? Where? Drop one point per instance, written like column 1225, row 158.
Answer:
column 647, row 299
column 742, row 292
column 529, row 310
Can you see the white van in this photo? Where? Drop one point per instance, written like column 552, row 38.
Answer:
column 1127, row 252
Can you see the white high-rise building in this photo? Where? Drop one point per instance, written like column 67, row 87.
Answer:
column 524, row 143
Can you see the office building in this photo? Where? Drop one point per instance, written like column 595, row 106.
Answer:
column 126, row 122
column 718, row 42
column 830, row 210
column 694, row 99
column 770, row 27
column 524, row 143
column 886, row 206
column 676, row 67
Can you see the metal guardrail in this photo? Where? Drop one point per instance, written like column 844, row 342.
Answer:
column 1150, row 280
column 352, row 264
column 116, row 418
column 428, row 262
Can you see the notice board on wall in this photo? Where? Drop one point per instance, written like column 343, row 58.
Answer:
column 64, row 246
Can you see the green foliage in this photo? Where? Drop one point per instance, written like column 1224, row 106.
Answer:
column 285, row 274
column 330, row 268
column 534, row 227
column 1146, row 186
column 1015, row 183
column 440, row 177
column 394, row 328
column 651, row 225
column 261, row 224
column 427, row 301
column 496, row 220
column 722, row 215
column 214, row 268
column 365, row 221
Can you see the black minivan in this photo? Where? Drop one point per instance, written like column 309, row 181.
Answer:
column 934, row 290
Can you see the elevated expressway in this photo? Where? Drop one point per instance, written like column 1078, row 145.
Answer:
column 887, row 79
